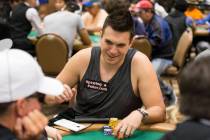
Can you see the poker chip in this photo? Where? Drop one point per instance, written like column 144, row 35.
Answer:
column 113, row 122
column 107, row 130
column 106, row 127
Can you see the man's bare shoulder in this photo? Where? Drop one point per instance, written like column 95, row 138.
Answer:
column 80, row 60
column 140, row 59
column 82, row 55
column 141, row 64
column 76, row 65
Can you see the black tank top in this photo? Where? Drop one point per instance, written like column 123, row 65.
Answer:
column 112, row 99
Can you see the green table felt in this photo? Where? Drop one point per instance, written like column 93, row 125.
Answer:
column 33, row 34
column 98, row 135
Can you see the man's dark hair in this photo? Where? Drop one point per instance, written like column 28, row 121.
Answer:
column 194, row 87
column 120, row 21
column 112, row 5
column 181, row 5
column 71, row 5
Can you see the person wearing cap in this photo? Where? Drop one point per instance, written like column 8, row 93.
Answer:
column 94, row 17
column 24, row 16
column 66, row 24
column 159, row 35
column 194, row 102
column 21, row 85
column 114, row 80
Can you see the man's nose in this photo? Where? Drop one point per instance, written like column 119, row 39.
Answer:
column 113, row 49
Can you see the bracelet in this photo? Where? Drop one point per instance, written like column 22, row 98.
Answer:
column 143, row 112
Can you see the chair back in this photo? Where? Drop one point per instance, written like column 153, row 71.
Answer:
column 141, row 43
column 182, row 48
column 52, row 53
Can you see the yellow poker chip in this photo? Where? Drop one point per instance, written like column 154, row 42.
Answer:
column 113, row 122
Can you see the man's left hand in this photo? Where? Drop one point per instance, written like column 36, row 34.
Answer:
column 128, row 125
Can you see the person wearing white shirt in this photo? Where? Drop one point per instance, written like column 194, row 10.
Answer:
column 159, row 10
column 66, row 24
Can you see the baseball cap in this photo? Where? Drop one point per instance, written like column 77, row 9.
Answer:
column 40, row 2
column 91, row 3
column 88, row 3
column 21, row 76
column 143, row 4
column 181, row 5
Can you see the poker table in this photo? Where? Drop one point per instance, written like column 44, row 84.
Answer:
column 199, row 31
column 145, row 132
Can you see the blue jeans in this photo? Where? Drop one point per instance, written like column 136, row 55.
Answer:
column 160, row 65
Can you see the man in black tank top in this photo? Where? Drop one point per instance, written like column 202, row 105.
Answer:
column 113, row 80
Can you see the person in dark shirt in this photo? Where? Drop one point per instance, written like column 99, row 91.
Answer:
column 113, row 79
column 24, row 16
column 177, row 17
column 194, row 102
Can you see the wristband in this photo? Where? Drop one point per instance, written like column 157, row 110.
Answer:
column 143, row 112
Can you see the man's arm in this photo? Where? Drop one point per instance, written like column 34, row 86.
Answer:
column 75, row 67
column 70, row 76
column 145, row 86
column 84, row 37
column 149, row 89
column 33, row 16
column 83, row 32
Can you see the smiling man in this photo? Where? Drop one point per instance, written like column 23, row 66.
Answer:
column 114, row 80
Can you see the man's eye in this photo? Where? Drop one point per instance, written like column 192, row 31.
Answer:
column 120, row 45
column 109, row 42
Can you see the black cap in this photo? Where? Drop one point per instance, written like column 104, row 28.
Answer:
column 181, row 5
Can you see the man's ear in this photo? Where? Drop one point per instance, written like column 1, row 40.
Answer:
column 21, row 107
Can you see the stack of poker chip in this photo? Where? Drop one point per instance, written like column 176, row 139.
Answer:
column 107, row 130
column 113, row 122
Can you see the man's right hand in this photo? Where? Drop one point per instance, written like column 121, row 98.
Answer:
column 30, row 127
column 67, row 96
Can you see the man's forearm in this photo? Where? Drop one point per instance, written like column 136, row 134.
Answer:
column 155, row 114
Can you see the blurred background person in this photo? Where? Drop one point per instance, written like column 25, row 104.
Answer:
column 66, row 23
column 194, row 102
column 24, row 17
column 94, row 16
column 177, row 21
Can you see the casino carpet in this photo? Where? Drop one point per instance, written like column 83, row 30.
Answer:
column 98, row 135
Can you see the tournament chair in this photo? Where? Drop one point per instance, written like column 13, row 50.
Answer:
column 141, row 43
column 183, row 47
column 52, row 53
